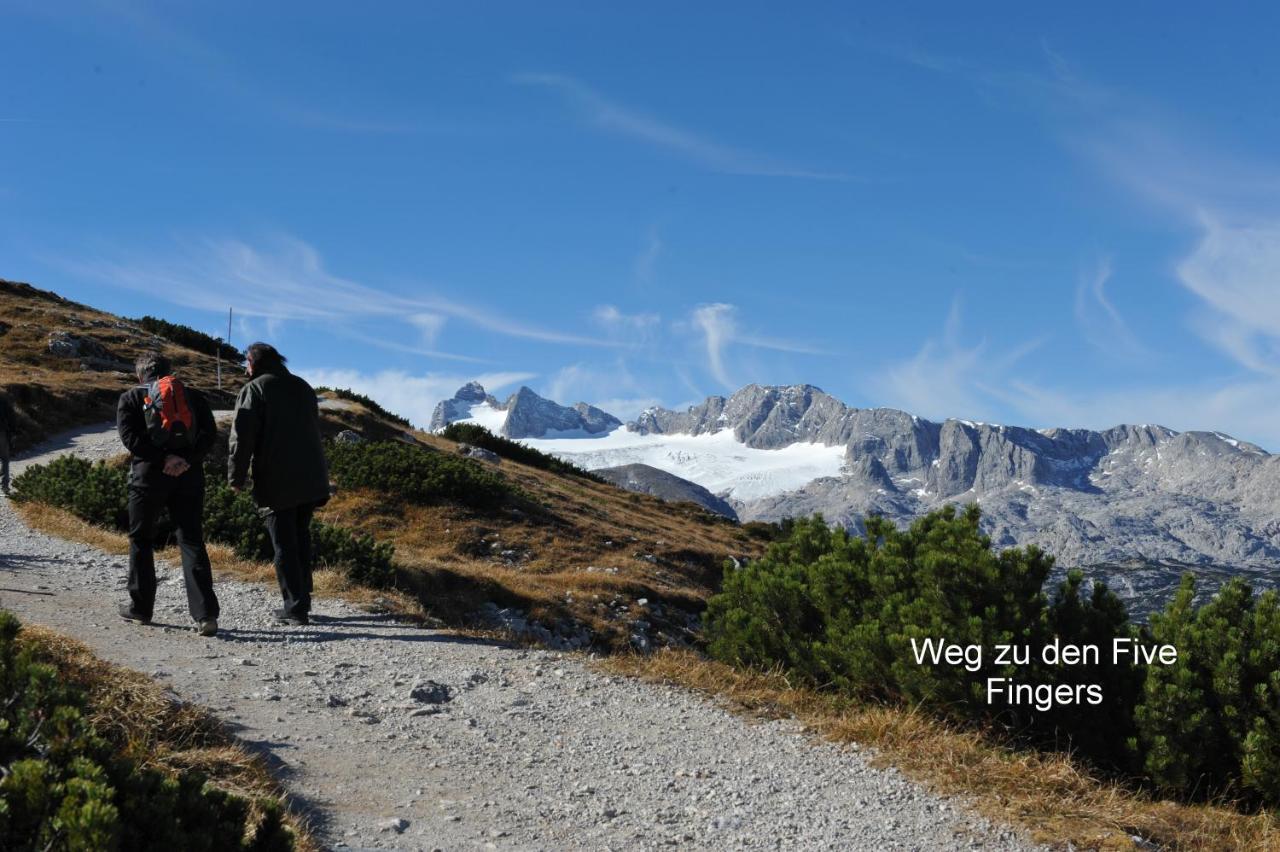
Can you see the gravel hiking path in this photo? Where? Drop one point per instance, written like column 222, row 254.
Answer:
column 391, row 736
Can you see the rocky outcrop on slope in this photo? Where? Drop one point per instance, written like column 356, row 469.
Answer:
column 646, row 479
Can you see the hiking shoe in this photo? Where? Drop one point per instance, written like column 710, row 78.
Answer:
column 296, row 619
column 127, row 613
column 207, row 627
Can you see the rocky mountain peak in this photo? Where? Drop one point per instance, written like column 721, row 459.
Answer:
column 471, row 392
column 458, row 407
column 532, row 416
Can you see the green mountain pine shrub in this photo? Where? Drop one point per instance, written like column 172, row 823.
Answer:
column 95, row 492
column 839, row 611
column 1210, row 724
column 63, row 786
column 416, row 474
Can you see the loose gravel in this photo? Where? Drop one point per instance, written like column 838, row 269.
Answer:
column 391, row 736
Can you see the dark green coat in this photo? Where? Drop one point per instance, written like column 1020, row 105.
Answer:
column 276, row 431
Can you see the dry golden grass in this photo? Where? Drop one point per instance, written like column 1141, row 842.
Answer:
column 132, row 712
column 578, row 548
column 1053, row 797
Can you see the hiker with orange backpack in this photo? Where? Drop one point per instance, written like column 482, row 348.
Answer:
column 168, row 429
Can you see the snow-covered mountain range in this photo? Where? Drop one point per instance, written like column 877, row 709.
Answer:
column 1130, row 493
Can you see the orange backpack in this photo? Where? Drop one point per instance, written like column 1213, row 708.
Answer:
column 170, row 421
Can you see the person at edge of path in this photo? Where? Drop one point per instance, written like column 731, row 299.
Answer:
column 8, row 427
column 275, row 433
column 168, row 429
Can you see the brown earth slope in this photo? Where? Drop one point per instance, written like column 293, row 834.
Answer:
column 64, row 364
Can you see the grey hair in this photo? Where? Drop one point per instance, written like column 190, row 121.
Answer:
column 152, row 365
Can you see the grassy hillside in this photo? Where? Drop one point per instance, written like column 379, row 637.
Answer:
column 78, row 378
column 565, row 552
column 570, row 552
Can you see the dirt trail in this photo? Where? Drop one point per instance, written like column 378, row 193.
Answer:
column 394, row 736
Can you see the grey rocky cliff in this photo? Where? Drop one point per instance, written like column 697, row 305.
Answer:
column 647, row 479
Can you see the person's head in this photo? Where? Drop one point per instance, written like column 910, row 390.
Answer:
column 151, row 366
column 262, row 356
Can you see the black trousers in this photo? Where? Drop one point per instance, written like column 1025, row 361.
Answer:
column 184, row 498
column 290, row 531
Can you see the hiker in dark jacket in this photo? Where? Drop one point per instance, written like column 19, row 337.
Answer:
column 167, row 472
column 8, row 427
column 276, row 433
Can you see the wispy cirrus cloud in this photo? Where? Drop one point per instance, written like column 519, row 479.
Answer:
column 1222, row 192
column 948, row 377
column 717, row 330
column 1099, row 320
column 1235, row 270
column 287, row 280
column 617, row 118
column 716, row 324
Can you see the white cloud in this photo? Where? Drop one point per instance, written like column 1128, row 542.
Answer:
column 717, row 326
column 617, row 118
column 411, row 396
column 642, row 325
column 430, row 325
column 1236, row 271
column 948, row 378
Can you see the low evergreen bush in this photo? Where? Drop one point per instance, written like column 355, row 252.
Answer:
column 1210, row 723
column 477, row 435
column 362, row 559
column 95, row 492
column 98, row 493
column 416, row 474
column 839, row 611
column 64, row 786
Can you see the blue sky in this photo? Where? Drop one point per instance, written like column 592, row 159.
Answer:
column 1043, row 216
